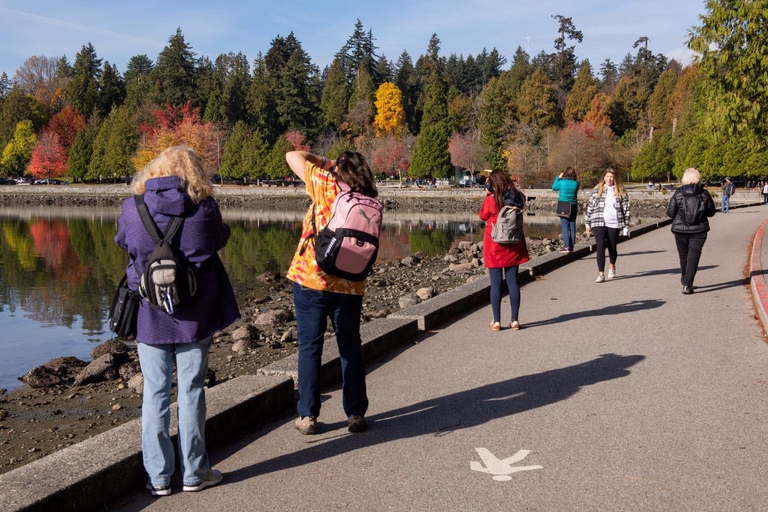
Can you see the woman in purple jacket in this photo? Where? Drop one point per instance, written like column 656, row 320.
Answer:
column 174, row 184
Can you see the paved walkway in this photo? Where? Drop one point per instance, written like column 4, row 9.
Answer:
column 628, row 395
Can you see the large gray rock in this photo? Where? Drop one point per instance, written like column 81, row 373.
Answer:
column 128, row 370
column 136, row 383
column 273, row 317
column 109, row 347
column 425, row 293
column 460, row 267
column 41, row 377
column 246, row 332
column 243, row 346
column 64, row 366
column 407, row 300
column 103, row 368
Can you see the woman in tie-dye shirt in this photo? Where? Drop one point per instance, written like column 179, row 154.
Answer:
column 318, row 295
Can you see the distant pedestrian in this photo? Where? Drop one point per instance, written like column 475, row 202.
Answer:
column 318, row 295
column 725, row 203
column 689, row 208
column 502, row 260
column 607, row 216
column 567, row 187
column 175, row 185
column 765, row 193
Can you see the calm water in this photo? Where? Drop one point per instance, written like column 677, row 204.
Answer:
column 59, row 268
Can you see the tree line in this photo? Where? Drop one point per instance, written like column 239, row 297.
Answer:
column 647, row 117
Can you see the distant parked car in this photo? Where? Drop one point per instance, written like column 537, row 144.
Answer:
column 7, row 181
column 48, row 181
column 24, row 181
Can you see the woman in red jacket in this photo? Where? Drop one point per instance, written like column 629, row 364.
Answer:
column 502, row 259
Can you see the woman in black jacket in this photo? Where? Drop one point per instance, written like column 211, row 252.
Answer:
column 689, row 208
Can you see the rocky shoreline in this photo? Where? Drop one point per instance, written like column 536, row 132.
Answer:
column 68, row 400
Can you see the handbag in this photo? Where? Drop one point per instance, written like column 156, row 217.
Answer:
column 124, row 310
column 564, row 209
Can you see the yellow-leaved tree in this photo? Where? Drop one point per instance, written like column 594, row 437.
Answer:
column 389, row 110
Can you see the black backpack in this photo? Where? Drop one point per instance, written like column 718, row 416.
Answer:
column 168, row 280
column 694, row 209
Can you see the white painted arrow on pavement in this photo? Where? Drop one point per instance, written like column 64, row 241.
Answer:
column 500, row 469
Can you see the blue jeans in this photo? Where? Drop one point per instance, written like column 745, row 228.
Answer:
column 313, row 308
column 157, row 367
column 725, row 204
column 568, row 227
column 512, row 286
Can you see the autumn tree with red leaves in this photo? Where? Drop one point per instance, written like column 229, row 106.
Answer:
column 466, row 151
column 392, row 156
column 49, row 158
column 180, row 125
column 67, row 123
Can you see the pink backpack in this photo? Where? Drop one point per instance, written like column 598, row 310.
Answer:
column 347, row 247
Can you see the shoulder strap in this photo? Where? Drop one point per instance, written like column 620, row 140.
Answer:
column 149, row 224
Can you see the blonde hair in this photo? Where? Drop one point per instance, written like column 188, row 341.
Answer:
column 618, row 187
column 690, row 177
column 179, row 161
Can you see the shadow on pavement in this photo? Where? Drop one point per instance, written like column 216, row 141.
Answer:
column 443, row 415
column 720, row 286
column 616, row 309
column 664, row 271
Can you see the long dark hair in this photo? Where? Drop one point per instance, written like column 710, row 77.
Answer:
column 569, row 173
column 500, row 183
column 352, row 169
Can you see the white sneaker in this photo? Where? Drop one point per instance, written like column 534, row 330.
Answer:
column 611, row 273
column 213, row 477
column 600, row 278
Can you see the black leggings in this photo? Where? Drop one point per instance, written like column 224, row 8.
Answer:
column 606, row 236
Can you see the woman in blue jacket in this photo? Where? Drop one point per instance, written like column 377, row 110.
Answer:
column 567, row 187
column 174, row 184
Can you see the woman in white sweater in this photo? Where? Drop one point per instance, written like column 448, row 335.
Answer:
column 607, row 216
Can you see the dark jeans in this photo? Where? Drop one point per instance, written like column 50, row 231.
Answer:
column 512, row 286
column 313, row 308
column 609, row 237
column 568, row 227
column 689, row 249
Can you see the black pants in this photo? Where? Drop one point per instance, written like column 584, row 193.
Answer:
column 609, row 237
column 689, row 249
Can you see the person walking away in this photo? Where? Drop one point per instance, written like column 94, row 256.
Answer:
column 725, row 204
column 765, row 193
column 607, row 216
column 502, row 260
column 318, row 295
column 173, row 185
column 689, row 208
column 567, row 187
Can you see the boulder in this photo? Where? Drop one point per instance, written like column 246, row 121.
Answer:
column 409, row 299
column 425, row 293
column 243, row 346
column 460, row 267
column 136, row 383
column 128, row 370
column 63, row 366
column 100, row 369
column 246, row 332
column 41, row 377
column 109, row 347
column 273, row 317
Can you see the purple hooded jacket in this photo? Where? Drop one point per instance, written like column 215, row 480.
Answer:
column 203, row 233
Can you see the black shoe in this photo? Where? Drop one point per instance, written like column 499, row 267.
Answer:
column 687, row 290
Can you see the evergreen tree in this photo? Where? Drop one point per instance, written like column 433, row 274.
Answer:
column 137, row 80
column 297, row 94
column 564, row 59
column 495, row 116
column 111, row 90
column 627, row 106
column 655, row 159
column 276, row 166
column 404, row 81
column 431, row 156
column 79, row 159
column 232, row 165
column 114, row 146
column 5, row 86
column 610, row 76
column 360, row 52
column 536, row 104
column 580, row 98
column 83, row 87
column 262, row 102
column 255, row 153
column 490, row 65
column 174, row 78
column 335, row 95
column 659, row 111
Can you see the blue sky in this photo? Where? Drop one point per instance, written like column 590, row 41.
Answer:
column 120, row 30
